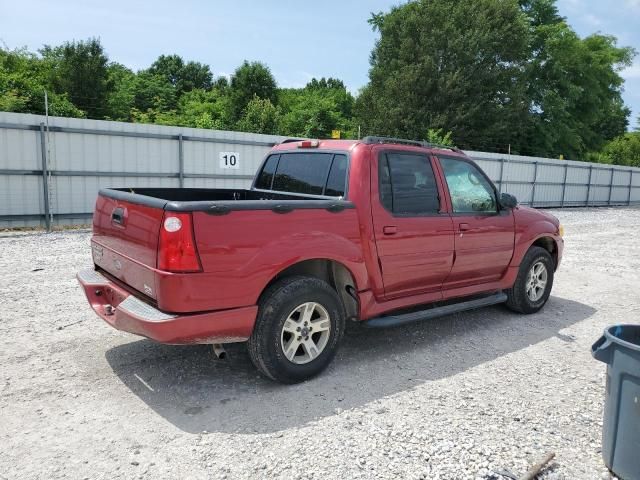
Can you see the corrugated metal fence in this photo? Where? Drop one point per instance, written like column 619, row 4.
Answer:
column 78, row 157
column 53, row 174
column 546, row 182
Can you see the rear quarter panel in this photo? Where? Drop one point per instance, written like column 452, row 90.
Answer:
column 243, row 250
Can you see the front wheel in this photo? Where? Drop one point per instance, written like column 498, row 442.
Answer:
column 533, row 284
column 299, row 326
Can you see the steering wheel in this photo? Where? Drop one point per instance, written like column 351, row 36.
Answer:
column 473, row 178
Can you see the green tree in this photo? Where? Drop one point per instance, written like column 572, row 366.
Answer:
column 183, row 76
column 153, row 92
column 309, row 115
column 335, row 90
column 204, row 109
column 121, row 98
column 573, row 85
column 494, row 72
column 260, row 116
column 12, row 101
column 23, row 81
column 622, row 150
column 251, row 80
column 195, row 75
column 317, row 109
column 197, row 108
column 455, row 65
column 169, row 67
column 438, row 137
column 79, row 70
column 221, row 83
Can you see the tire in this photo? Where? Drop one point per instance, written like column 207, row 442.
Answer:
column 282, row 311
column 519, row 297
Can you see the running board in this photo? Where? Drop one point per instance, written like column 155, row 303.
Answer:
column 435, row 312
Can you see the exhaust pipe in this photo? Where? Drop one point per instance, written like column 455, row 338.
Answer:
column 219, row 351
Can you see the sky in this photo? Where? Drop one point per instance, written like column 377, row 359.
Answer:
column 298, row 40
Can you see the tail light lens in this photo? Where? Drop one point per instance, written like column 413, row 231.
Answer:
column 177, row 250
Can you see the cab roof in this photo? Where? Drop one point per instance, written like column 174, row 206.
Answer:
column 348, row 145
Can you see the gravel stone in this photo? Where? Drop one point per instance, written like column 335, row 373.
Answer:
column 463, row 397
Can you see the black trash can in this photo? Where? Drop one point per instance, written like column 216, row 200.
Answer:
column 619, row 348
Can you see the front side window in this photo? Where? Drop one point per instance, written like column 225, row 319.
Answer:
column 469, row 189
column 407, row 184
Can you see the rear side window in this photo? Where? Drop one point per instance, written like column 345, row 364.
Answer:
column 306, row 173
column 407, row 184
column 337, row 177
column 265, row 180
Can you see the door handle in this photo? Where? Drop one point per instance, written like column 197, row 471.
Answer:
column 390, row 230
column 463, row 227
column 118, row 215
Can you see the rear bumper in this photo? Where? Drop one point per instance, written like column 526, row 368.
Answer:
column 126, row 312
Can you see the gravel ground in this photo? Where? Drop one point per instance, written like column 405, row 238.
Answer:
column 466, row 396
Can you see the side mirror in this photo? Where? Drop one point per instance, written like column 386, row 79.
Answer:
column 508, row 201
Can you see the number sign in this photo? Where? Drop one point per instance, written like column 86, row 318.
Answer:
column 229, row 160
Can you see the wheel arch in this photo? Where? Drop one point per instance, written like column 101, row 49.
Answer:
column 549, row 244
column 331, row 271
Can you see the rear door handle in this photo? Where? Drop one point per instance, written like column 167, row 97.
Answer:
column 464, row 227
column 390, row 230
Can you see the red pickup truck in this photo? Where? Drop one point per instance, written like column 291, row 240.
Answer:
column 379, row 230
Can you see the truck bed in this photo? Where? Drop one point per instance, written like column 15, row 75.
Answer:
column 242, row 237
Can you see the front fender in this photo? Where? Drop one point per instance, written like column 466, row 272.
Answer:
column 527, row 234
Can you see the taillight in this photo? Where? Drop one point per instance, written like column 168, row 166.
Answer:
column 309, row 144
column 177, row 250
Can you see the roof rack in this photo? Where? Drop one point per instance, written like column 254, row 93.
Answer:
column 440, row 146
column 402, row 141
column 372, row 140
column 291, row 140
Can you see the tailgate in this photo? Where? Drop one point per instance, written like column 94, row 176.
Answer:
column 125, row 241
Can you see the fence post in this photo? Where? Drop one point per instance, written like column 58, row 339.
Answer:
column 589, row 184
column 180, row 161
column 535, row 179
column 501, row 175
column 610, row 187
column 630, row 186
column 564, row 184
column 45, row 180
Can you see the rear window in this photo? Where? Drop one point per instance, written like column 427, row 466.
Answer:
column 304, row 172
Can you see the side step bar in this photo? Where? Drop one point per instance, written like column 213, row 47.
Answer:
column 435, row 312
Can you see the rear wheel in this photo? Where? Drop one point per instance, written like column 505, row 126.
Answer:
column 533, row 284
column 299, row 326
